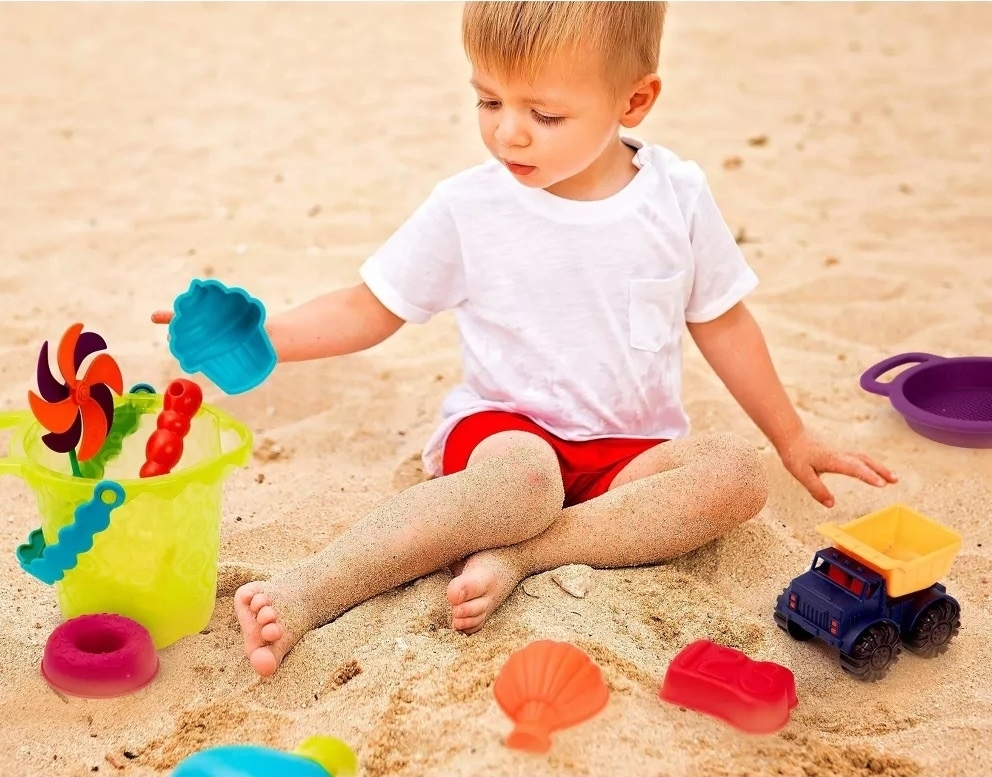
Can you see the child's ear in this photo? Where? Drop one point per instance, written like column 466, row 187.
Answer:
column 641, row 100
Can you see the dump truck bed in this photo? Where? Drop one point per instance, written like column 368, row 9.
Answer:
column 910, row 551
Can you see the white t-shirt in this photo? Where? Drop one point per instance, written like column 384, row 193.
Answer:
column 570, row 312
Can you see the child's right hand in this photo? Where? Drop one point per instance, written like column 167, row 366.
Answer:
column 343, row 321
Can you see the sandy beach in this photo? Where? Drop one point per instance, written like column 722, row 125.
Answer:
column 275, row 146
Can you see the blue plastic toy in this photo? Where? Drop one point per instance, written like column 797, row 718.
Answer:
column 49, row 563
column 318, row 756
column 220, row 331
column 875, row 590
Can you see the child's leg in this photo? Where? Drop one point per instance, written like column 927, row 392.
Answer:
column 668, row 501
column 511, row 490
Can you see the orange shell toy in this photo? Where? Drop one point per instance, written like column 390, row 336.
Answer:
column 545, row 687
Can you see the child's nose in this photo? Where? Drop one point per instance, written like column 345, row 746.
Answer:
column 511, row 132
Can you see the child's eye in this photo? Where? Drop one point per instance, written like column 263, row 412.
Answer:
column 548, row 119
column 489, row 105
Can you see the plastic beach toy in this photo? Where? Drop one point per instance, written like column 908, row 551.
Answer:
column 49, row 563
column 756, row 697
column 99, row 657
column 909, row 550
column 156, row 562
column 165, row 447
column 545, row 687
column 318, row 756
column 875, row 590
column 220, row 331
column 79, row 409
column 948, row 400
column 126, row 421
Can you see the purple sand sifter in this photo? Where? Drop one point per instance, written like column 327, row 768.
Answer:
column 945, row 399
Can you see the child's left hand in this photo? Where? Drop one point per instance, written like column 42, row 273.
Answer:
column 807, row 458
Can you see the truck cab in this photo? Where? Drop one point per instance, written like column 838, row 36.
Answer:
column 832, row 599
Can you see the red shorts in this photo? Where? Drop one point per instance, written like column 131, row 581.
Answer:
column 587, row 468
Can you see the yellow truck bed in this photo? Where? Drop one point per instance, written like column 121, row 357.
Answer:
column 910, row 551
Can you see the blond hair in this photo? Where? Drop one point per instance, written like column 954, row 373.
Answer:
column 518, row 39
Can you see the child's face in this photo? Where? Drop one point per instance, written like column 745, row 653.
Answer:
column 552, row 130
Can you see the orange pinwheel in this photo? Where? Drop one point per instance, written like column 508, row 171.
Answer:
column 76, row 410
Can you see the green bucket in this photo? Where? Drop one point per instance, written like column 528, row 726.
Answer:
column 156, row 562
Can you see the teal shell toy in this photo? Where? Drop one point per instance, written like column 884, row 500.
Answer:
column 318, row 756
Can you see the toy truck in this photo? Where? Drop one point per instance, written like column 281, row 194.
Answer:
column 875, row 589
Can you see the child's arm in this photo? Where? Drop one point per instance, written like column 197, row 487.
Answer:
column 735, row 348
column 339, row 322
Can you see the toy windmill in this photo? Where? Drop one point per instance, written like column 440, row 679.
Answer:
column 77, row 410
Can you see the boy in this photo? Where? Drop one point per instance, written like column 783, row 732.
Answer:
column 572, row 262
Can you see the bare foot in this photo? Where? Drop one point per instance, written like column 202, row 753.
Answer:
column 267, row 638
column 482, row 585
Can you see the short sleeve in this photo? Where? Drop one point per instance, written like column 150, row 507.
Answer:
column 418, row 272
column 721, row 277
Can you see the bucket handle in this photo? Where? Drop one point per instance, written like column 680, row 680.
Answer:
column 12, row 419
column 869, row 380
column 239, row 455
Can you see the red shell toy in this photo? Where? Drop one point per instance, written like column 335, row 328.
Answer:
column 165, row 446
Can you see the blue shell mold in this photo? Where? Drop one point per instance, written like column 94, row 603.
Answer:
column 220, row 331
column 247, row 761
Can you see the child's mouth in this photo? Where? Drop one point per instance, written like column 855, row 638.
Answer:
column 519, row 169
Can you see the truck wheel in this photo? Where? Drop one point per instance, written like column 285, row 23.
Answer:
column 935, row 628
column 873, row 652
column 797, row 632
column 793, row 629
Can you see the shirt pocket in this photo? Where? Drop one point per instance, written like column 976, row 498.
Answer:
column 657, row 312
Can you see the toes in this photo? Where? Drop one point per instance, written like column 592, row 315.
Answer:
column 455, row 591
column 263, row 661
column 259, row 623
column 266, row 615
column 464, row 588
column 266, row 639
column 244, row 613
column 469, row 625
column 272, row 632
column 245, row 593
column 470, row 609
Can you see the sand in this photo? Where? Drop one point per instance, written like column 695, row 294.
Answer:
column 275, row 146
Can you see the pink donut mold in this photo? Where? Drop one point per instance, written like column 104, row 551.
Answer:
column 99, row 657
